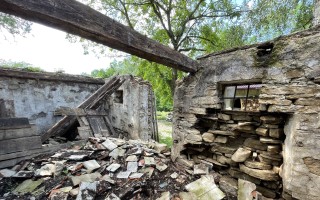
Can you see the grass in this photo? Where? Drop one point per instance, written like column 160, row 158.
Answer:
column 166, row 140
column 162, row 115
column 165, row 132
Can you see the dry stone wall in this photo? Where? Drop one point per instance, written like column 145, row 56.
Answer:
column 276, row 148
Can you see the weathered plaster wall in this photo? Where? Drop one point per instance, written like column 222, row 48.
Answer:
column 37, row 98
column 135, row 114
column 290, row 78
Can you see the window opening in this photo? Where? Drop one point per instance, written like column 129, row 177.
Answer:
column 242, row 97
column 118, row 96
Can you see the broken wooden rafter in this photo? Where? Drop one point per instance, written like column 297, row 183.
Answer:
column 78, row 19
column 66, row 122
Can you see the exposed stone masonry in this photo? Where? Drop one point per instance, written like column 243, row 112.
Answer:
column 290, row 76
column 240, row 145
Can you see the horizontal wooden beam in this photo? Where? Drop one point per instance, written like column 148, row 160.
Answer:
column 78, row 19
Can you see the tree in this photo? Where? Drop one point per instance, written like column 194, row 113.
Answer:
column 196, row 27
column 183, row 25
column 271, row 18
column 14, row 25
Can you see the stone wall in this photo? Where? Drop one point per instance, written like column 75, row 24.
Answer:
column 37, row 95
column 131, row 109
column 316, row 13
column 289, row 70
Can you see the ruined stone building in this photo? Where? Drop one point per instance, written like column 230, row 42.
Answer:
column 254, row 112
column 249, row 113
column 37, row 96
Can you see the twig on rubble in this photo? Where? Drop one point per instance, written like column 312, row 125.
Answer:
column 180, row 170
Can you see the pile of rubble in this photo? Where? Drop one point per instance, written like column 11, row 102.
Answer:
column 110, row 168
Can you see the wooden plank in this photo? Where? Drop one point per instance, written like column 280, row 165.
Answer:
column 18, row 133
column 78, row 19
column 98, row 126
column 20, row 144
column 79, row 112
column 85, row 132
column 13, row 123
column 67, row 121
column 109, row 125
column 8, row 160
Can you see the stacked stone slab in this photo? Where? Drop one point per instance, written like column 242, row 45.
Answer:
column 288, row 69
column 247, row 146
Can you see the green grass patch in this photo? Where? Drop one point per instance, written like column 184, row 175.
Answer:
column 162, row 115
column 166, row 140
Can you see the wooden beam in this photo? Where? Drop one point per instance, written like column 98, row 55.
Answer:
column 78, row 19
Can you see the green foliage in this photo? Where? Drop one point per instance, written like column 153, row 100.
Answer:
column 14, row 25
column 20, row 65
column 196, row 27
column 271, row 18
column 166, row 140
column 162, row 115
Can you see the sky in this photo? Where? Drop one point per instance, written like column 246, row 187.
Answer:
column 48, row 49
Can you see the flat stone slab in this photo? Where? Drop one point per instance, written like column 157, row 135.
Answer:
column 84, row 189
column 7, row 173
column 91, row 165
column 125, row 174
column 187, row 196
column 255, row 144
column 208, row 137
column 205, row 189
column 108, row 144
column 132, row 166
column 245, row 189
column 46, row 170
column 113, row 167
column 221, row 139
column 136, row 175
column 85, row 178
column 160, row 148
column 262, row 131
column 27, row 186
column 161, row 166
column 148, row 161
column 132, row 158
column 200, row 169
column 229, row 186
column 257, row 165
column 266, row 175
column 24, row 174
column 227, row 133
column 117, row 152
column 241, row 155
column 174, row 175
column 108, row 179
column 269, row 140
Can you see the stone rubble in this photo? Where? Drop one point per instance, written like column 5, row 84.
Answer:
column 142, row 170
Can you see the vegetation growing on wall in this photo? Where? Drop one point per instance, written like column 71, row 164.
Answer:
column 20, row 65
